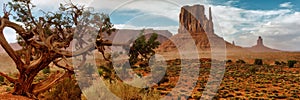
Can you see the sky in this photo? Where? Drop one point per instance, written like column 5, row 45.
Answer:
column 242, row 21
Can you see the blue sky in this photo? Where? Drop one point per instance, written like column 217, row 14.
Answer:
column 242, row 21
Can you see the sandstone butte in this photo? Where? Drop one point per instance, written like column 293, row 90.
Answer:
column 197, row 30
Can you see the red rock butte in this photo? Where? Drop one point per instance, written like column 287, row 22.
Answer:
column 194, row 23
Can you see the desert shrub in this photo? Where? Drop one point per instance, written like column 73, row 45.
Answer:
column 8, row 89
column 229, row 61
column 100, row 72
column 108, row 72
column 1, row 79
column 46, row 70
column 128, row 92
column 252, row 69
column 291, row 63
column 163, row 80
column 283, row 63
column 66, row 90
column 277, row 63
column 240, row 61
column 258, row 62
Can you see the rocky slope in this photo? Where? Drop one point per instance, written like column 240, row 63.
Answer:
column 15, row 46
column 124, row 35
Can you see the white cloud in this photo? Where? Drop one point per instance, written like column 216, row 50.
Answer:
column 279, row 28
column 231, row 2
column 283, row 31
column 10, row 35
column 230, row 20
column 286, row 5
column 241, row 25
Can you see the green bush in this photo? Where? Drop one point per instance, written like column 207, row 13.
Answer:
column 142, row 49
column 1, row 79
column 283, row 63
column 291, row 63
column 258, row 62
column 66, row 90
column 253, row 69
column 46, row 70
column 277, row 63
column 240, row 61
column 229, row 61
column 100, row 72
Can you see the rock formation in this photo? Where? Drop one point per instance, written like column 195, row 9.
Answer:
column 193, row 20
column 260, row 41
column 260, row 47
column 194, row 23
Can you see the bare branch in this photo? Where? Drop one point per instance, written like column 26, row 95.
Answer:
column 48, row 83
column 75, row 53
column 9, row 49
column 28, row 54
column 38, row 44
column 30, row 14
column 85, row 49
column 66, row 67
column 18, row 28
column 11, row 80
column 48, row 42
column 37, row 62
column 101, row 50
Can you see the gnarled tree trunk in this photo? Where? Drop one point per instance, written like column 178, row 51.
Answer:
column 24, row 85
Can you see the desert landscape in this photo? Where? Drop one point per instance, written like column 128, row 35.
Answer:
column 133, row 64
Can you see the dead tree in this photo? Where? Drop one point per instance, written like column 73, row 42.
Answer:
column 45, row 39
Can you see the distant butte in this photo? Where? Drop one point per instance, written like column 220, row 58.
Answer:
column 119, row 36
column 260, row 47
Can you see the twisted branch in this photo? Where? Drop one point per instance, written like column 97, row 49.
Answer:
column 11, row 80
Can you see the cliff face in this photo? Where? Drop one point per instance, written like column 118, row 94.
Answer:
column 197, row 27
column 193, row 20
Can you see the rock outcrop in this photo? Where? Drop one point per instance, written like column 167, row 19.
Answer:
column 193, row 20
column 260, row 47
column 260, row 41
column 195, row 26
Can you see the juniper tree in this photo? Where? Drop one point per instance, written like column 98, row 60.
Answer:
column 142, row 49
column 44, row 40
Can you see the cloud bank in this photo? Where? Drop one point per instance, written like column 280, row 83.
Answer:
column 278, row 27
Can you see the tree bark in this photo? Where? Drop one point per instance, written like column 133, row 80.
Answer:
column 24, row 85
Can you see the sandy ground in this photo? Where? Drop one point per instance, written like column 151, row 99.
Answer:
column 8, row 96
